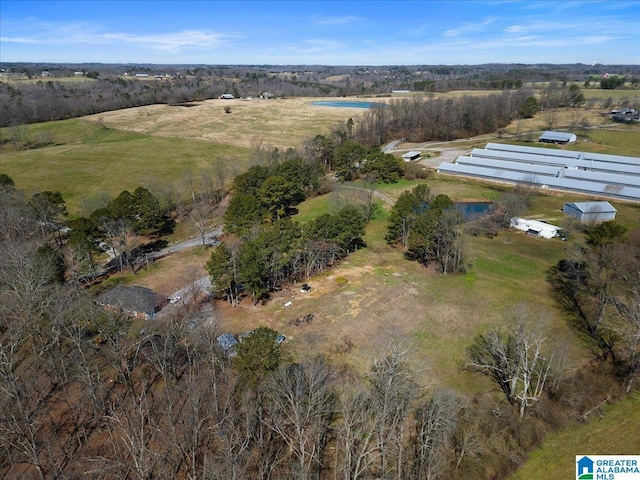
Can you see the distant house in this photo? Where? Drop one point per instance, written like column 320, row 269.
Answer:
column 535, row 227
column 557, row 137
column 590, row 211
column 139, row 302
column 411, row 156
column 227, row 96
column 228, row 344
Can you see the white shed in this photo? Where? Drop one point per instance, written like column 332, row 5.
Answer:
column 535, row 227
column 590, row 211
column 411, row 156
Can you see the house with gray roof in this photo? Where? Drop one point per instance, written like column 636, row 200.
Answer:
column 136, row 301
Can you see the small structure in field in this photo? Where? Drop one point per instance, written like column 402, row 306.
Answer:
column 561, row 138
column 136, row 301
column 590, row 211
column 228, row 344
column 411, row 156
column 535, row 227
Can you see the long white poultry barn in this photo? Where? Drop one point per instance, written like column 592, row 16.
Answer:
column 613, row 176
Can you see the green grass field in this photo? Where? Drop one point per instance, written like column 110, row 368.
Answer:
column 613, row 431
column 87, row 160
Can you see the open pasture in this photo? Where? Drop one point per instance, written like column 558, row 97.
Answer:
column 88, row 161
column 281, row 122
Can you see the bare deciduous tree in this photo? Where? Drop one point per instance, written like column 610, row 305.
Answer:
column 626, row 302
column 435, row 425
column 302, row 405
column 394, row 389
column 357, row 427
column 514, row 359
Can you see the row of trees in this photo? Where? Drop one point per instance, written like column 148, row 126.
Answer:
column 599, row 291
column 107, row 88
column 419, row 119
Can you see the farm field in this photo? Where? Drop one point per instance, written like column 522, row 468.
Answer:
column 281, row 123
column 163, row 144
column 372, row 298
column 159, row 144
column 87, row 161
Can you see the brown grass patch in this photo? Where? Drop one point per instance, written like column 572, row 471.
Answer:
column 281, row 123
column 170, row 274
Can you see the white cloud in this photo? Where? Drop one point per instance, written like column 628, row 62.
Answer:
column 166, row 41
column 468, row 28
column 336, row 20
column 313, row 46
column 43, row 33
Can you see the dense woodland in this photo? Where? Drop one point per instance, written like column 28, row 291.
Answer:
column 85, row 394
column 102, row 87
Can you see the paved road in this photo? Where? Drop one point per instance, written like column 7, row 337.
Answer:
column 185, row 295
column 210, row 238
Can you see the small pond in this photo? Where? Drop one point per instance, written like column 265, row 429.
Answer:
column 473, row 210
column 345, row 103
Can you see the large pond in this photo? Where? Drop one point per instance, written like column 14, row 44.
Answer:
column 473, row 210
column 345, row 103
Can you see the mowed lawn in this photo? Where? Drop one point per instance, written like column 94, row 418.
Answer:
column 88, row 160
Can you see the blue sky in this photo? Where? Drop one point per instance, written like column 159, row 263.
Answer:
column 322, row 32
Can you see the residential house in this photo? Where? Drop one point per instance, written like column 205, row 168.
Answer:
column 136, row 301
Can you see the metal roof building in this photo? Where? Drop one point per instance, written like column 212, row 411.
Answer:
column 557, row 137
column 604, row 175
column 590, row 211
column 411, row 156
column 535, row 227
